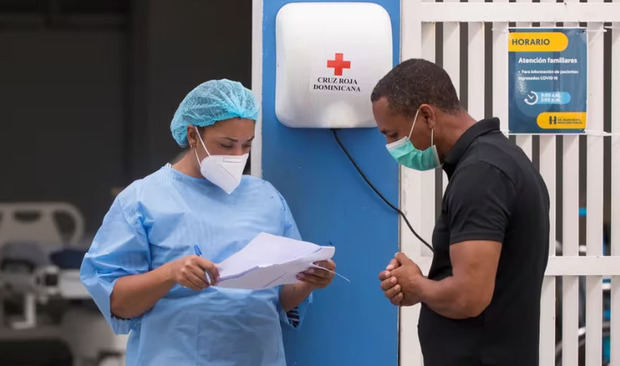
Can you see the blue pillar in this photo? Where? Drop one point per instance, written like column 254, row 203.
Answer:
column 348, row 324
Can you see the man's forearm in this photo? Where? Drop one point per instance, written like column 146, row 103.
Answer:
column 447, row 297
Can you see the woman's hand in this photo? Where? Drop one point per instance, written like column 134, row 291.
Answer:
column 191, row 271
column 314, row 278
column 318, row 278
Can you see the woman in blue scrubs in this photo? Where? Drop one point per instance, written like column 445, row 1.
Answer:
column 142, row 270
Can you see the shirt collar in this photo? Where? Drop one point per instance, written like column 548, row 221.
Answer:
column 462, row 144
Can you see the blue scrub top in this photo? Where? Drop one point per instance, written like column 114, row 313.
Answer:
column 158, row 219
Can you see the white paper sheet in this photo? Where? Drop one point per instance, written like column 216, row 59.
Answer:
column 269, row 261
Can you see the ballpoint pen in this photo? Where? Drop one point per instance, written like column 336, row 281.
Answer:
column 198, row 252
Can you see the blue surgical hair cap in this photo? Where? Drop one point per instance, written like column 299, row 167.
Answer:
column 211, row 102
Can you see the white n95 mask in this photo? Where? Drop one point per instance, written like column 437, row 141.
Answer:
column 225, row 171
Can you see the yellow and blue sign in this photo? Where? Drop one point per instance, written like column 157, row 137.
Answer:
column 548, row 80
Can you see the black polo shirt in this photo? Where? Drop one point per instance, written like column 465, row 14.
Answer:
column 495, row 193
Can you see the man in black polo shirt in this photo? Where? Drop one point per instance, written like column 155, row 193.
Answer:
column 481, row 299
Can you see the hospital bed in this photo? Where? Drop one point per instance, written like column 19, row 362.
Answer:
column 41, row 296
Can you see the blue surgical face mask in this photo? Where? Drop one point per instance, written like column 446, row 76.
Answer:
column 406, row 154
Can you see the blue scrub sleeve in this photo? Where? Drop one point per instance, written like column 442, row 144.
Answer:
column 294, row 318
column 120, row 248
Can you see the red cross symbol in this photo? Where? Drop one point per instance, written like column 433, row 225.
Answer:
column 338, row 64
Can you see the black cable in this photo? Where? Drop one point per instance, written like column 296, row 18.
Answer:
column 392, row 206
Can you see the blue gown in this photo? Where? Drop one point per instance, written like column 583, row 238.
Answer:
column 159, row 219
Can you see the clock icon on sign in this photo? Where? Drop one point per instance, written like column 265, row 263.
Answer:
column 531, row 98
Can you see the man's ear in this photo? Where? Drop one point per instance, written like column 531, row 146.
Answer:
column 428, row 115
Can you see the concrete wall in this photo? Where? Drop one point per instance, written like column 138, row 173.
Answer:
column 85, row 109
column 61, row 116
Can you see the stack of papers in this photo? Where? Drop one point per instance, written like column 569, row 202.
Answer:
column 269, row 261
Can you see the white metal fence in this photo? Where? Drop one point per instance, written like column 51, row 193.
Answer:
column 420, row 191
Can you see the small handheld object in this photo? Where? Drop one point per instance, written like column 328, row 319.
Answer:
column 198, row 252
column 330, row 271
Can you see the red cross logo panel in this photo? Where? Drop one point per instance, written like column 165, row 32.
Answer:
column 338, row 64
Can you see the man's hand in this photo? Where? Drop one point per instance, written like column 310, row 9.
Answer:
column 407, row 275
column 398, row 281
